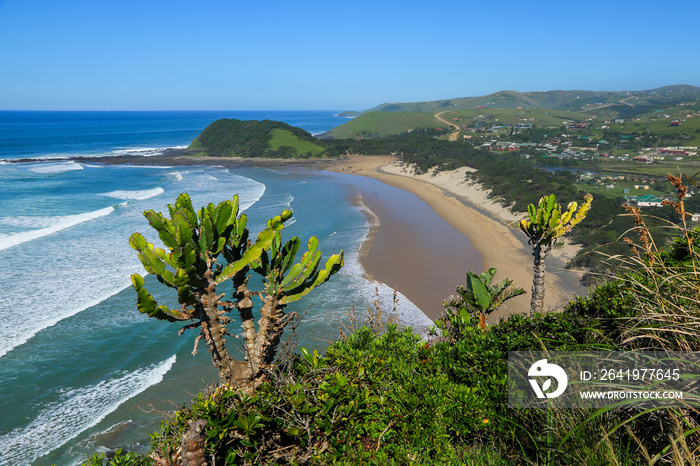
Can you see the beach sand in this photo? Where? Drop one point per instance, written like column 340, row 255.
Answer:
column 489, row 227
column 401, row 250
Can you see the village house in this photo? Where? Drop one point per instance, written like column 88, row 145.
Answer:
column 649, row 201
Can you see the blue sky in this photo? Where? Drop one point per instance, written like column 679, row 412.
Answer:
column 331, row 55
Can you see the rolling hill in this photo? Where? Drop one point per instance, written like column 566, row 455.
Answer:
column 542, row 108
column 556, row 100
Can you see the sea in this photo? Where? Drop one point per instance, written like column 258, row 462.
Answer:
column 81, row 370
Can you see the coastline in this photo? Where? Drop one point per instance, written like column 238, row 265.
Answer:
column 487, row 225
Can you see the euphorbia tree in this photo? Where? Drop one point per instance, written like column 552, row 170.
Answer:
column 195, row 242
column 482, row 295
column 547, row 224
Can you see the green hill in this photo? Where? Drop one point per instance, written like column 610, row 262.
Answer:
column 382, row 124
column 573, row 100
column 267, row 138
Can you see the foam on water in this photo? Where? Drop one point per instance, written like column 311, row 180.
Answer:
column 144, row 150
column 92, row 262
column 54, row 168
column 20, row 330
column 58, row 224
column 77, row 410
column 136, row 194
column 152, row 167
column 28, row 222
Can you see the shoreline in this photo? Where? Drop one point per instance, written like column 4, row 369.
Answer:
column 400, row 250
column 487, row 225
column 374, row 224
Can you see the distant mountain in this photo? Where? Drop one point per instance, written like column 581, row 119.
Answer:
column 557, row 100
column 267, row 138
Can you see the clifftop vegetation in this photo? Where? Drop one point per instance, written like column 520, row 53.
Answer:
column 382, row 395
column 267, row 138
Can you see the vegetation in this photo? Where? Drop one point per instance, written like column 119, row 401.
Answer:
column 382, row 124
column 281, row 138
column 265, row 138
column 603, row 104
column 388, row 396
column 481, row 295
column 516, row 177
column 383, row 395
column 195, row 241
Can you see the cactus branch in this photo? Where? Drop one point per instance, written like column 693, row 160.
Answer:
column 195, row 242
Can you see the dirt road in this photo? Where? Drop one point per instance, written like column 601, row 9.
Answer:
column 453, row 136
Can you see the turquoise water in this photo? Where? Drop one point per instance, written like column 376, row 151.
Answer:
column 80, row 369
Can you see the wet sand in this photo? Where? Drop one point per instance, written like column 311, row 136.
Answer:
column 410, row 247
column 489, row 231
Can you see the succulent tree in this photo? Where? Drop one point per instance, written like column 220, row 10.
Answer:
column 546, row 225
column 482, row 295
column 207, row 250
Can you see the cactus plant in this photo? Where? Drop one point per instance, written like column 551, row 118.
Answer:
column 482, row 294
column 546, row 225
column 197, row 243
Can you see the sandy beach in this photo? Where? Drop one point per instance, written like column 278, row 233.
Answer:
column 489, row 227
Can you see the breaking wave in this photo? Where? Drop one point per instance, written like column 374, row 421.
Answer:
column 77, row 410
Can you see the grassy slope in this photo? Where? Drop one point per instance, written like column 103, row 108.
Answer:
column 503, row 111
column 571, row 100
column 280, row 137
column 543, row 117
column 380, row 124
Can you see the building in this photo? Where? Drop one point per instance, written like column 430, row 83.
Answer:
column 673, row 152
column 649, row 201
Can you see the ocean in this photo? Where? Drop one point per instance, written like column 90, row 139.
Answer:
column 81, row 370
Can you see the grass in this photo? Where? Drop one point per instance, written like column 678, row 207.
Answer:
column 543, row 117
column 658, row 168
column 380, row 124
column 281, row 138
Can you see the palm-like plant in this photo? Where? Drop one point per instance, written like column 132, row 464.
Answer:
column 482, row 295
